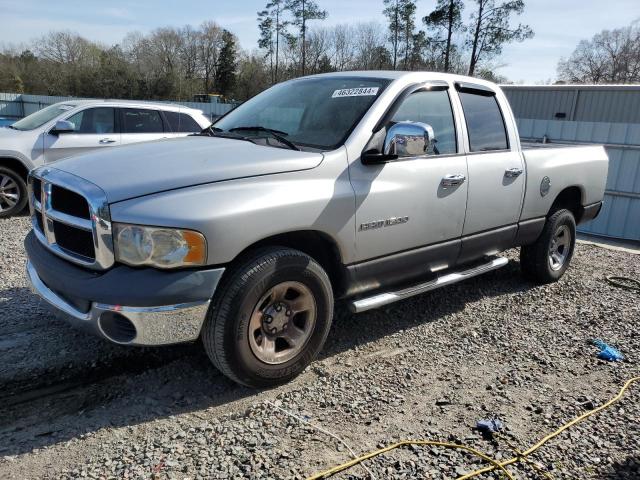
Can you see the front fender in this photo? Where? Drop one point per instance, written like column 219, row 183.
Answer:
column 235, row 214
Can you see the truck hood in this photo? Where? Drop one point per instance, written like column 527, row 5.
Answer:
column 145, row 168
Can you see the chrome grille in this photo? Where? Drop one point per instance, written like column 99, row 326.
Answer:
column 70, row 216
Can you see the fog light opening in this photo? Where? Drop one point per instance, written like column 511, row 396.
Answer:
column 117, row 327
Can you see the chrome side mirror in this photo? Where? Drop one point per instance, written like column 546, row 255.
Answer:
column 63, row 126
column 409, row 139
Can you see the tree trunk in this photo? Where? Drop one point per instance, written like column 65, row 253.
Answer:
column 277, row 41
column 304, row 44
column 449, row 33
column 476, row 36
column 395, row 39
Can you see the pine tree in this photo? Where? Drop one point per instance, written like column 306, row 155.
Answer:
column 226, row 73
column 445, row 18
column 302, row 11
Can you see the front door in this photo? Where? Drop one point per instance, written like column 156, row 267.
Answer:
column 407, row 217
column 93, row 128
column 496, row 177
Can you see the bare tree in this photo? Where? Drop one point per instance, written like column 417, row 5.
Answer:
column 343, row 47
column 612, row 56
column 371, row 52
column 490, row 29
column 62, row 47
column 209, row 45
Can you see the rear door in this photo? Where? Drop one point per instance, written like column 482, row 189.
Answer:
column 142, row 125
column 95, row 127
column 496, row 174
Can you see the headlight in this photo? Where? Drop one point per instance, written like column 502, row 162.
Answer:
column 158, row 247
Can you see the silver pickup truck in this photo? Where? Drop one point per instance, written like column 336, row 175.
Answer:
column 370, row 187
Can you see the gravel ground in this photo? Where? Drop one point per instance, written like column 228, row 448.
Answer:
column 73, row 406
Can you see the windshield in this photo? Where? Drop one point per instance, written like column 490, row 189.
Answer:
column 313, row 112
column 41, row 117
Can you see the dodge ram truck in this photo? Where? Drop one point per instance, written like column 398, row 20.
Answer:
column 369, row 187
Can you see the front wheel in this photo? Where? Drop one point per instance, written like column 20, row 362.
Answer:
column 269, row 318
column 13, row 193
column 547, row 259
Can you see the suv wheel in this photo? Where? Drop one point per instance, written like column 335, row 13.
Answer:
column 548, row 258
column 269, row 318
column 13, row 193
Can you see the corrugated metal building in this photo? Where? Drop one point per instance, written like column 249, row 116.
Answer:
column 602, row 114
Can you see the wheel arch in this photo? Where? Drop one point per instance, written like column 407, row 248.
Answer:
column 16, row 165
column 569, row 198
column 318, row 245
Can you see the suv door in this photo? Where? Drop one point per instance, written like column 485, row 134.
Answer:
column 141, row 125
column 95, row 127
column 413, row 189
column 496, row 179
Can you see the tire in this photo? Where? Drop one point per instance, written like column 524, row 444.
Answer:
column 558, row 237
column 13, row 193
column 270, row 285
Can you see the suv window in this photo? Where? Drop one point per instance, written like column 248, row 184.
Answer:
column 140, row 120
column 181, row 122
column 434, row 108
column 485, row 124
column 94, row 120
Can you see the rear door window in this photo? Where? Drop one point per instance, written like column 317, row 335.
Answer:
column 140, row 120
column 182, row 123
column 94, row 120
column 485, row 124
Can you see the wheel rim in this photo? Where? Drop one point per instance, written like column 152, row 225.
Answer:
column 560, row 246
column 9, row 193
column 282, row 322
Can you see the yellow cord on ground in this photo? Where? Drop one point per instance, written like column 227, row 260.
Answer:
column 403, row 443
column 494, row 463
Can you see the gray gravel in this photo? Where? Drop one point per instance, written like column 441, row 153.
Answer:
column 72, row 406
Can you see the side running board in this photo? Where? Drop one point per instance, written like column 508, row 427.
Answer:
column 364, row 304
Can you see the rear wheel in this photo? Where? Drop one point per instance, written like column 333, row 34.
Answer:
column 548, row 258
column 269, row 318
column 13, row 193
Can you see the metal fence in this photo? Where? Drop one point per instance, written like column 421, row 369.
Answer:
column 17, row 105
column 620, row 216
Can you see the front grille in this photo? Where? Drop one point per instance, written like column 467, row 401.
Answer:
column 38, row 218
column 37, row 189
column 74, row 240
column 69, row 202
column 71, row 218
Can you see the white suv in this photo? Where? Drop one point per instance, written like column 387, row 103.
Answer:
column 69, row 128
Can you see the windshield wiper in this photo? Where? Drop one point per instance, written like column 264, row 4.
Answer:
column 277, row 134
column 212, row 131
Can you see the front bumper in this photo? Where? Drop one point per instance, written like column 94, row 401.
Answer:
column 153, row 308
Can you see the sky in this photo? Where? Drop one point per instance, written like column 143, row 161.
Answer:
column 558, row 24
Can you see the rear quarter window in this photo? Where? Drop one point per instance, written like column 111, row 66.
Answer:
column 182, row 122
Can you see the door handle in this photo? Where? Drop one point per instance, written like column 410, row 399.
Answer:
column 512, row 172
column 452, row 180
column 106, row 140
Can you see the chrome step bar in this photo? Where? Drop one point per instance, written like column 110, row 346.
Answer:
column 364, row 304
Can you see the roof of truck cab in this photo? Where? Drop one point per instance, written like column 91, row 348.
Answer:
column 399, row 74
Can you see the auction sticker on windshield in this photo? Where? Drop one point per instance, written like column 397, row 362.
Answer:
column 355, row 92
